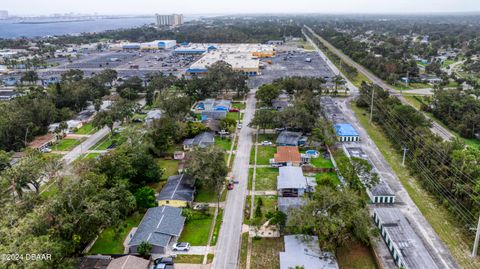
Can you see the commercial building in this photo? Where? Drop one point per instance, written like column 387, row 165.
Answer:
column 346, row 133
column 178, row 191
column 169, row 20
column 242, row 57
column 405, row 246
column 303, row 251
column 160, row 227
column 158, row 44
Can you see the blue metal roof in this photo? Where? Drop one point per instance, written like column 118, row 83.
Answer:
column 197, row 70
column 345, row 129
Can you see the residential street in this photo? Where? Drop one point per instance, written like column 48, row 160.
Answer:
column 228, row 244
column 85, row 145
column 436, row 128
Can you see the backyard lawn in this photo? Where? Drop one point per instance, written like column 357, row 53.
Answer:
column 321, row 162
column 266, row 179
column 265, row 253
column 197, row 229
column 111, row 239
column 171, row 167
column 66, row 144
column 355, row 256
column 332, row 176
column 239, row 105
column 86, row 129
column 225, row 143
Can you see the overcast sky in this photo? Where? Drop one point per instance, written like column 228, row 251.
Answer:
column 21, row 7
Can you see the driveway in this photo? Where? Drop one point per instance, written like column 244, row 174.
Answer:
column 228, row 244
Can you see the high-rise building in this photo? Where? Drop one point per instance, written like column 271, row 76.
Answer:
column 169, row 20
column 3, row 14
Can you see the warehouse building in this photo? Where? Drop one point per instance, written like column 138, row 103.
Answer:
column 158, row 44
column 346, row 133
column 405, row 246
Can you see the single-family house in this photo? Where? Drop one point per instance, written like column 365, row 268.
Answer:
column 11, row 81
column 288, row 138
column 6, row 95
column 291, row 182
column 406, row 248
column 432, row 79
column 346, row 133
column 286, row 155
column 129, row 262
column 303, row 251
column 153, row 115
column 178, row 191
column 280, row 104
column 74, row 124
column 201, row 140
column 160, row 227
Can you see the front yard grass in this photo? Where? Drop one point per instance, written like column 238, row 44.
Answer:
column 66, row 144
column 266, row 179
column 223, row 143
column 243, row 251
column 193, row 259
column 106, row 143
column 204, row 195
column 110, row 241
column 265, row 253
column 355, row 256
column 269, row 205
column 240, row 106
column 265, row 153
column 438, row 216
column 197, row 229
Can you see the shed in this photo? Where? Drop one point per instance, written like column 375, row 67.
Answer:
column 178, row 191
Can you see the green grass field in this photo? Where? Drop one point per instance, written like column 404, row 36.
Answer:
column 266, row 179
column 437, row 215
column 239, row 105
column 111, row 239
column 66, row 144
column 86, row 129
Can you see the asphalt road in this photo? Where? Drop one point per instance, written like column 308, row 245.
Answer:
column 85, row 145
column 228, row 244
column 436, row 128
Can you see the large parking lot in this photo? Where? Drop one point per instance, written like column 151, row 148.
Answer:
column 291, row 61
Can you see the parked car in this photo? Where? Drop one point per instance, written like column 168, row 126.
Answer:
column 239, row 126
column 230, row 186
column 181, row 246
column 266, row 143
column 234, row 109
column 200, row 206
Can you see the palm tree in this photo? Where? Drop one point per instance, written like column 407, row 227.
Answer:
column 338, row 80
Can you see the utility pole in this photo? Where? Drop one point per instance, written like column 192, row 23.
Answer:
column 477, row 237
column 404, row 154
column 371, row 105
